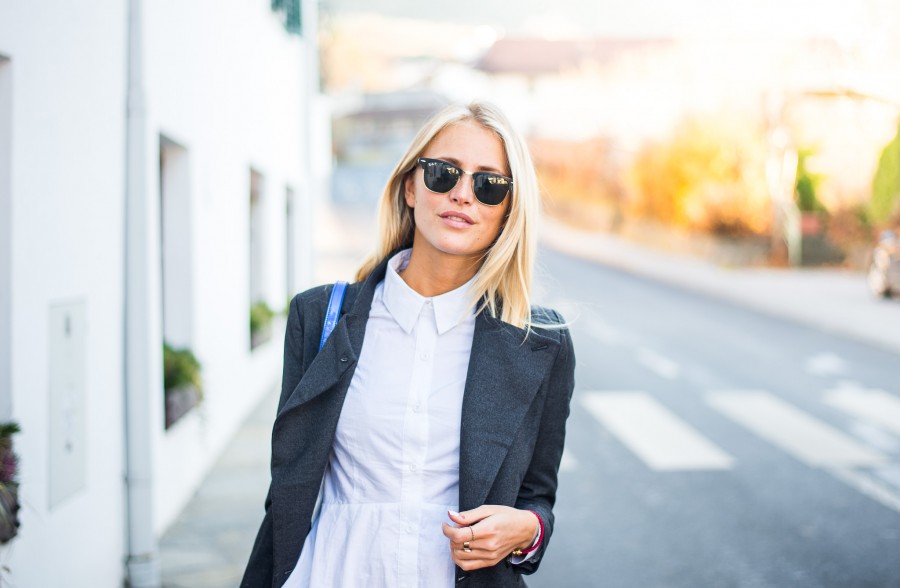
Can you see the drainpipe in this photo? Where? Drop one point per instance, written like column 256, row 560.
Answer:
column 139, row 355
column 314, row 184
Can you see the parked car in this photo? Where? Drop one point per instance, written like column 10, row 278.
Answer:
column 884, row 267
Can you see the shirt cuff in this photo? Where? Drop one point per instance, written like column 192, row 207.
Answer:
column 538, row 535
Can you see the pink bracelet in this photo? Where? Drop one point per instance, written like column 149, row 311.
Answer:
column 519, row 552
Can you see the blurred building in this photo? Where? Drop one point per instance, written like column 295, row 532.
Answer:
column 158, row 163
column 371, row 132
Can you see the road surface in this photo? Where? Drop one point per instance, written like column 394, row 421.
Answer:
column 713, row 446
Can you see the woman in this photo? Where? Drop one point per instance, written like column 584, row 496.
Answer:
column 420, row 446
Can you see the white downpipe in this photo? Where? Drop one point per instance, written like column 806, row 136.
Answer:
column 310, row 199
column 143, row 557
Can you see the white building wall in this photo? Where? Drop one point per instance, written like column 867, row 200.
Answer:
column 68, row 81
column 224, row 81
column 5, row 235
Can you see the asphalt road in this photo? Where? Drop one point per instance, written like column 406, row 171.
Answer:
column 713, row 446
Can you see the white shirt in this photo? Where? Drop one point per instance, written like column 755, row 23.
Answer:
column 394, row 467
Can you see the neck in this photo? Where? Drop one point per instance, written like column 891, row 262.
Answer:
column 432, row 273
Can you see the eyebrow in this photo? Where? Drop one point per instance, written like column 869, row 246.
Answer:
column 485, row 168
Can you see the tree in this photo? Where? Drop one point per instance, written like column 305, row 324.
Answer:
column 886, row 183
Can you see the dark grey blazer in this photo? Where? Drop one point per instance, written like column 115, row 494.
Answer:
column 514, row 412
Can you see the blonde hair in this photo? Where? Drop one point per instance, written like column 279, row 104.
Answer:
column 503, row 283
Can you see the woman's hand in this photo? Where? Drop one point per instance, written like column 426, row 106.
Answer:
column 498, row 530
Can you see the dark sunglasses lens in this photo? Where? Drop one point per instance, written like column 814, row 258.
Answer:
column 440, row 177
column 490, row 189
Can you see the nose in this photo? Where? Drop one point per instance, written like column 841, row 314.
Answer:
column 463, row 191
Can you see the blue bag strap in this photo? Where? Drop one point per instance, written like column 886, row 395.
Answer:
column 334, row 311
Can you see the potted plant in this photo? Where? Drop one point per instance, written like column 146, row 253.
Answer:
column 181, row 381
column 9, row 485
column 260, row 323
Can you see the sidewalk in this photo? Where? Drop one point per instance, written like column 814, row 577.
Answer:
column 210, row 542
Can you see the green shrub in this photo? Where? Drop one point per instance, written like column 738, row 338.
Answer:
column 9, row 461
column 807, row 184
column 180, row 368
column 9, row 485
column 260, row 316
column 886, row 183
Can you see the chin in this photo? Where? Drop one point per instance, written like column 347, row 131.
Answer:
column 459, row 244
column 456, row 246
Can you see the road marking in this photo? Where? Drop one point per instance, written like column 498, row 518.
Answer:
column 868, row 485
column 874, row 436
column 603, row 331
column 658, row 437
column 873, row 405
column 658, row 364
column 890, row 474
column 825, row 364
column 568, row 463
column 809, row 440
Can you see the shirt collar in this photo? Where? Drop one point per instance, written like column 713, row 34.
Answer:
column 405, row 304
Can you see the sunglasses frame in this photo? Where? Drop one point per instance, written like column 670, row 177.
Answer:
column 423, row 161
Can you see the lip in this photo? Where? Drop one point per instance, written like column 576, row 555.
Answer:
column 453, row 215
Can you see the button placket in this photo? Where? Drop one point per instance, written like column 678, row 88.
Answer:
column 415, row 442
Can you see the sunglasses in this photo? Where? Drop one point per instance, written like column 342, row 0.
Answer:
column 441, row 176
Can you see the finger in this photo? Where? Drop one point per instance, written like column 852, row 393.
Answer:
column 457, row 518
column 459, row 554
column 452, row 533
column 471, row 561
column 456, row 535
column 470, row 517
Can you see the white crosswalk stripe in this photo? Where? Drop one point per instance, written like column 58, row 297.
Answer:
column 872, row 405
column 568, row 463
column 806, row 438
column 658, row 364
column 664, row 442
column 825, row 364
column 659, row 438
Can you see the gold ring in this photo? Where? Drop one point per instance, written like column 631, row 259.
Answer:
column 473, row 534
column 466, row 547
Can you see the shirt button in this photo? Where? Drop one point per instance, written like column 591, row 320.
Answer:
column 410, row 529
column 412, row 467
column 423, row 356
column 417, row 408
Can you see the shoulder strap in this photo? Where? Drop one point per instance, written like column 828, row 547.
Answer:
column 334, row 311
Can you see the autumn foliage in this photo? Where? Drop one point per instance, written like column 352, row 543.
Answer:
column 708, row 175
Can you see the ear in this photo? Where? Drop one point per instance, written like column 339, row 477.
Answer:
column 409, row 189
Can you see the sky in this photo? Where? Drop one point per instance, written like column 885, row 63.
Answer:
column 845, row 20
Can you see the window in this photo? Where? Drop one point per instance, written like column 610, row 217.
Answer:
column 290, row 244
column 182, row 382
column 260, row 312
column 175, row 216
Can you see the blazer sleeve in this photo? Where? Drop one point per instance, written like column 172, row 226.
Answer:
column 538, row 490
column 260, row 567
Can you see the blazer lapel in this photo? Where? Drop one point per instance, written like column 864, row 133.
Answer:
column 343, row 347
column 327, row 367
column 505, row 372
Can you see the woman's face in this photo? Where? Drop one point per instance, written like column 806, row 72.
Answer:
column 455, row 223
